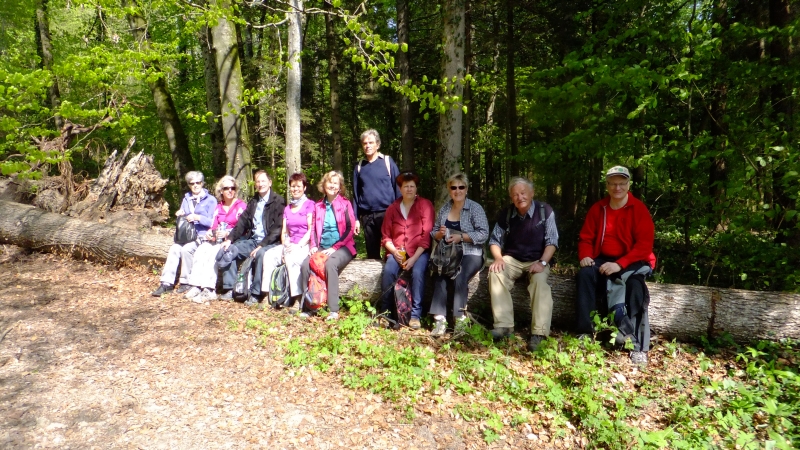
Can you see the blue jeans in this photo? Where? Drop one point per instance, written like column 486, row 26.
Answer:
column 245, row 246
column 470, row 265
column 418, row 274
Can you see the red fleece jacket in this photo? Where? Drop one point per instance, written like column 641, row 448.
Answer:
column 635, row 230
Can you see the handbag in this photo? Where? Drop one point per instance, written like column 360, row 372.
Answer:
column 446, row 259
column 185, row 231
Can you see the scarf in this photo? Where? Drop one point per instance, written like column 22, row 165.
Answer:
column 298, row 201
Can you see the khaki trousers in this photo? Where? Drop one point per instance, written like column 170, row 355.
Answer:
column 500, row 284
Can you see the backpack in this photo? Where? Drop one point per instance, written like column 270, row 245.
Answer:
column 386, row 158
column 316, row 295
column 317, row 264
column 279, row 286
column 241, row 290
column 446, row 259
column 402, row 298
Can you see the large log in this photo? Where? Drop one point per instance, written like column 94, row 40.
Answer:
column 675, row 310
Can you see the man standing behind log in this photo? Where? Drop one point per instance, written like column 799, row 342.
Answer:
column 615, row 249
column 374, row 189
column 258, row 229
column 523, row 241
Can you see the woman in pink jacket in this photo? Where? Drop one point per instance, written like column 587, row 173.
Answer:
column 332, row 233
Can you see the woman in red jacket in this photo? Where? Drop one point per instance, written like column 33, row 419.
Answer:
column 332, row 234
column 406, row 236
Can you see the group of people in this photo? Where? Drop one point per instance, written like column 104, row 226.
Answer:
column 615, row 246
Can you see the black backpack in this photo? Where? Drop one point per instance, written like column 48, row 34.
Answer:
column 279, row 286
column 241, row 290
column 446, row 259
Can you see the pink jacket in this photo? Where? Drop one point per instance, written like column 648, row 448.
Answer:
column 345, row 221
column 231, row 217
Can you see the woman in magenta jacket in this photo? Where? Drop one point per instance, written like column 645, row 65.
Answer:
column 332, row 234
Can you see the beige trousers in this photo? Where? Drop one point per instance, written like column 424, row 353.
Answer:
column 500, row 284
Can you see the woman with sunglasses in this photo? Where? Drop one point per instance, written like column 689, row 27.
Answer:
column 203, row 278
column 460, row 220
column 295, row 237
column 198, row 208
column 406, row 232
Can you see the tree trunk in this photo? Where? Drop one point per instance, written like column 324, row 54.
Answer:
column 231, row 85
column 685, row 312
column 404, row 67
column 468, row 117
column 450, row 123
column 512, row 169
column 293, row 83
column 333, row 80
column 45, row 49
column 165, row 106
column 213, row 103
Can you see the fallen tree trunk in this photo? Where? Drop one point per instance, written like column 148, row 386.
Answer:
column 675, row 310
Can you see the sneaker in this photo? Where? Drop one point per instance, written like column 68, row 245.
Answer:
column 183, row 288
column 332, row 316
column 639, row 358
column 304, row 315
column 534, row 341
column 414, row 323
column 163, row 289
column 439, row 327
column 252, row 301
column 227, row 296
column 193, row 292
column 499, row 333
column 207, row 295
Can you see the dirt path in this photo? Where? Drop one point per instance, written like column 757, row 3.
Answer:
column 91, row 360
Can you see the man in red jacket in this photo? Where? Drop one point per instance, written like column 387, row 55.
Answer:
column 615, row 249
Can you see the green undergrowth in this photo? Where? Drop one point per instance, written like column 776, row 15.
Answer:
column 713, row 395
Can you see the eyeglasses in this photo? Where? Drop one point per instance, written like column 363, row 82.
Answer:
column 617, row 185
column 194, row 183
column 460, row 188
column 228, row 188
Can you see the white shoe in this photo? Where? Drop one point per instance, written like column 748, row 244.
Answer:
column 206, row 296
column 193, row 292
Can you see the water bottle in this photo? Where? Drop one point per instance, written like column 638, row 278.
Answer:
column 221, row 228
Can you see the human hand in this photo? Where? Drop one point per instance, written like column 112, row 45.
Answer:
column 440, row 233
column 255, row 250
column 225, row 244
column 328, row 251
column 610, row 268
column 536, row 267
column 358, row 227
column 398, row 257
column 179, row 213
column 586, row 262
column 409, row 264
column 314, row 250
column 497, row 266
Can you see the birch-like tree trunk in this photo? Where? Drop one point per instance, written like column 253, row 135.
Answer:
column 213, row 103
column 450, row 123
column 165, row 107
column 293, row 83
column 231, row 84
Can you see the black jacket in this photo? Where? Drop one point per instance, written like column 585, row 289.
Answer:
column 272, row 219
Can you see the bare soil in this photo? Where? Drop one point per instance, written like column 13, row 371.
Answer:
column 88, row 359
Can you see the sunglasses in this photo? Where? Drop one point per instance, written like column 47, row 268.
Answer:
column 228, row 188
column 460, row 188
column 193, row 183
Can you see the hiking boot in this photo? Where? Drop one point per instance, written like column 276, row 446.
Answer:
column 193, row 292
column 227, row 296
column 163, row 289
column 639, row 359
column 414, row 323
column 183, row 288
column 332, row 316
column 439, row 327
column 499, row 333
column 382, row 322
column 534, row 341
column 207, row 295
column 252, row 301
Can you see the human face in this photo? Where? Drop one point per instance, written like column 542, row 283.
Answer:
column 617, row 187
column 521, row 196
column 196, row 186
column 458, row 191
column 228, row 191
column 370, row 146
column 263, row 184
column 332, row 187
column 296, row 189
column 409, row 190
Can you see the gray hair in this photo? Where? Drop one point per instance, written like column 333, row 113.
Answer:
column 519, row 180
column 218, row 186
column 194, row 175
column 462, row 177
column 371, row 132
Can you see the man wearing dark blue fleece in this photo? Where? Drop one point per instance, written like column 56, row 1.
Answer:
column 374, row 189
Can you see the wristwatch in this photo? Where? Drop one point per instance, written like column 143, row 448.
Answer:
column 544, row 263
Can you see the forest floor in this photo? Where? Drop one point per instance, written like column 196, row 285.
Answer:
column 90, row 360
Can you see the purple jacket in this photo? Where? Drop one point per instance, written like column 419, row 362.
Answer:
column 345, row 221
column 205, row 209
